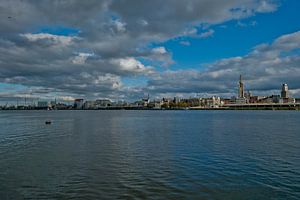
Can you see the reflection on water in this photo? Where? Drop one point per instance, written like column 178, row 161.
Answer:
column 150, row 154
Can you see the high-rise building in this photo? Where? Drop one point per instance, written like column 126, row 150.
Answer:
column 241, row 88
column 284, row 91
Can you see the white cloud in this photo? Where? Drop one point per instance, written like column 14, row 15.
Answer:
column 190, row 32
column 48, row 60
column 66, row 98
column 81, row 58
column 143, row 22
column 120, row 26
column 266, row 6
column 206, row 34
column 131, row 64
column 57, row 39
column 159, row 50
column 288, row 42
column 264, row 70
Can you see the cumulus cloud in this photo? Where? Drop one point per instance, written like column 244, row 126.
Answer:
column 264, row 69
column 131, row 64
column 56, row 39
column 119, row 34
column 159, row 50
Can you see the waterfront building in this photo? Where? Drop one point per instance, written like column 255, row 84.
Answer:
column 241, row 88
column 287, row 100
column 241, row 99
column 192, row 102
column 275, row 98
column 78, row 103
column 62, row 106
column 103, row 103
column 255, row 99
column 213, row 102
column 42, row 104
column 227, row 101
column 176, row 100
column 146, row 101
column 89, row 105
column 270, row 99
column 53, row 104
column 285, row 95
column 156, row 104
column 284, row 91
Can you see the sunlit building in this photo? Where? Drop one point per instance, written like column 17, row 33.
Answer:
column 284, row 91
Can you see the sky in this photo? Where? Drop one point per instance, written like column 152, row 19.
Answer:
column 125, row 49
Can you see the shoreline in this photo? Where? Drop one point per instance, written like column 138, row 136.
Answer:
column 167, row 109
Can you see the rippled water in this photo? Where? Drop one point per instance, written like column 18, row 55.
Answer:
column 150, row 155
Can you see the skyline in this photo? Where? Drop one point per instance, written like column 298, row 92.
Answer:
column 241, row 98
column 126, row 49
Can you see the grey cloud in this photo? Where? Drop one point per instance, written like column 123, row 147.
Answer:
column 265, row 69
column 111, row 33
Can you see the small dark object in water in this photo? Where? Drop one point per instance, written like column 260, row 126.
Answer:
column 48, row 122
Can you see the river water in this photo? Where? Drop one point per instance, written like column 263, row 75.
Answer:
column 150, row 155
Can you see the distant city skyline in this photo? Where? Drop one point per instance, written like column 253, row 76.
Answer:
column 124, row 50
column 242, row 100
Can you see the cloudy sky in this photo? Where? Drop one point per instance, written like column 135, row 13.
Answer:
column 124, row 49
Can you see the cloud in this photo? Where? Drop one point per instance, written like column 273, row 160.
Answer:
column 159, row 50
column 131, row 64
column 55, row 39
column 120, row 26
column 113, row 40
column 81, row 58
column 206, row 34
column 185, row 43
column 265, row 6
column 265, row 69
column 243, row 24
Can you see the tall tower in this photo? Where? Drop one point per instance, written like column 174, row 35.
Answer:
column 241, row 88
column 284, row 91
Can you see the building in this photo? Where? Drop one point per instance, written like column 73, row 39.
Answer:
column 284, row 91
column 53, row 104
column 42, row 104
column 213, row 102
column 156, row 104
column 89, row 105
column 287, row 100
column 62, row 106
column 103, row 103
column 78, row 103
column 146, row 101
column 255, row 99
column 241, row 88
column 241, row 93
column 227, row 101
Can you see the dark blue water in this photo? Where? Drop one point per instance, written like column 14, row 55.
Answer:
column 150, row 155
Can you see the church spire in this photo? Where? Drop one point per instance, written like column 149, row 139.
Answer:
column 241, row 88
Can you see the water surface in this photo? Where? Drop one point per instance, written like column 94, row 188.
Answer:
column 150, row 155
